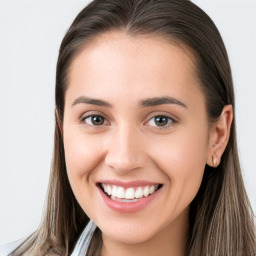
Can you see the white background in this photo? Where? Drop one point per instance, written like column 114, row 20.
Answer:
column 30, row 35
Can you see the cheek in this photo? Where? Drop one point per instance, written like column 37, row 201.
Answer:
column 82, row 155
column 182, row 159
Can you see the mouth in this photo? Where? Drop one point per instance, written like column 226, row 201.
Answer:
column 128, row 194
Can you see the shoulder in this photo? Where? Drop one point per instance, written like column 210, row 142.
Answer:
column 6, row 249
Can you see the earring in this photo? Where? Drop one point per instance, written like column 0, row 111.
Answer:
column 214, row 162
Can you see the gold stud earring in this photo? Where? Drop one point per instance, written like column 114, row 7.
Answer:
column 214, row 162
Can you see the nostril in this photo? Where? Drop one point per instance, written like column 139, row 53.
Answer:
column 122, row 165
column 123, row 158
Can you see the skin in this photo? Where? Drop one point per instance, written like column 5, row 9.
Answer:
column 129, row 145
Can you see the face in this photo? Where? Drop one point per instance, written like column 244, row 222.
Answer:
column 135, row 134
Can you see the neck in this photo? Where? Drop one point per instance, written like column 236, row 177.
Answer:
column 170, row 241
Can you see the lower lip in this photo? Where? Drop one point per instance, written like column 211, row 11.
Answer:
column 128, row 207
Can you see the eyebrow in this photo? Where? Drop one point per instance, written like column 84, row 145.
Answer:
column 150, row 102
column 87, row 100
column 160, row 101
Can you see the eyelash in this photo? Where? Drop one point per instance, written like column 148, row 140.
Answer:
column 171, row 120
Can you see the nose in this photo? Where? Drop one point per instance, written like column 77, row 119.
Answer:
column 125, row 150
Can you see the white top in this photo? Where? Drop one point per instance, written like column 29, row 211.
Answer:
column 79, row 250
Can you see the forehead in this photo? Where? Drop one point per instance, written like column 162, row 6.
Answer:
column 117, row 62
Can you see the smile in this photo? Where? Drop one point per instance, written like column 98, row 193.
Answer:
column 128, row 198
column 119, row 193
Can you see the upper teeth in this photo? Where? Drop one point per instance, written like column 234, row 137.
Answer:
column 129, row 193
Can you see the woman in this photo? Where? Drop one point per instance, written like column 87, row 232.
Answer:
column 145, row 158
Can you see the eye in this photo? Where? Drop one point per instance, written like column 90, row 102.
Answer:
column 160, row 121
column 94, row 120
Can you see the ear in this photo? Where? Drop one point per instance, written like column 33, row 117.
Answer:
column 219, row 136
column 58, row 121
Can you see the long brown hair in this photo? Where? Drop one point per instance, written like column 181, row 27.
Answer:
column 221, row 218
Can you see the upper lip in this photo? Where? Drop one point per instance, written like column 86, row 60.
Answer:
column 128, row 184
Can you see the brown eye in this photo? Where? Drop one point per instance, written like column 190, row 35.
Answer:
column 95, row 120
column 160, row 121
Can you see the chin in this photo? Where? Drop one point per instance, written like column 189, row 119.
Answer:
column 128, row 231
column 132, row 237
